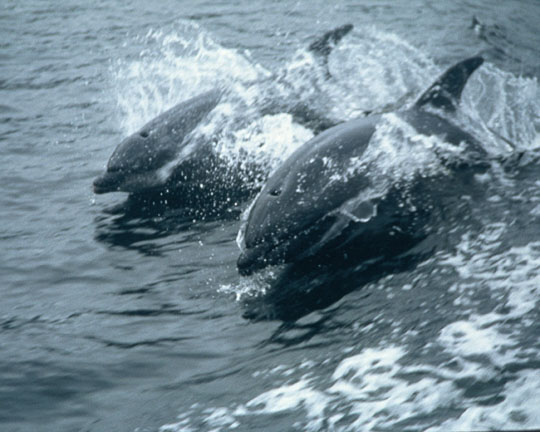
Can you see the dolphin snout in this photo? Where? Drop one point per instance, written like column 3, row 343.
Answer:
column 106, row 183
column 261, row 256
column 251, row 260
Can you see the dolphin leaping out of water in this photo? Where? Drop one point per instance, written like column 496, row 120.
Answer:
column 140, row 162
column 311, row 205
column 163, row 154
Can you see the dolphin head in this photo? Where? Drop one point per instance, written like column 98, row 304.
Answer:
column 144, row 160
column 135, row 164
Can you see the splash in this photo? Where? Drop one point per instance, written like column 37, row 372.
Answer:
column 255, row 123
column 249, row 288
column 175, row 65
column 376, row 71
column 502, row 109
column 397, row 152
column 270, row 140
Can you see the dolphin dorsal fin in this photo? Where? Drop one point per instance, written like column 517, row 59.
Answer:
column 323, row 46
column 446, row 91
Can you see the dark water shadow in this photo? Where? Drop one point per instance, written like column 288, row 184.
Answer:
column 52, row 391
column 314, row 285
column 142, row 222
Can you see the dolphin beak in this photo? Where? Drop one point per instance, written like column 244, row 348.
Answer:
column 251, row 260
column 263, row 255
column 106, row 183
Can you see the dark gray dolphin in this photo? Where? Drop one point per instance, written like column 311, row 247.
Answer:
column 140, row 161
column 163, row 155
column 307, row 206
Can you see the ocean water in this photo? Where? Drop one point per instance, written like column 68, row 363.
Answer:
column 115, row 320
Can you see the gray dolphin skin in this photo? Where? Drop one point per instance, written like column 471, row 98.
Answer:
column 304, row 208
column 162, row 154
column 136, row 163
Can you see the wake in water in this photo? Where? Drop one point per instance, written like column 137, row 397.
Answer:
column 443, row 339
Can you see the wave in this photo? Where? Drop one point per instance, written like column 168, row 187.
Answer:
column 467, row 338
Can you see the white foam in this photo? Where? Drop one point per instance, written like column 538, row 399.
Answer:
column 478, row 335
column 288, row 397
column 269, row 140
column 502, row 109
column 518, row 410
column 366, row 387
column 374, row 70
column 513, row 273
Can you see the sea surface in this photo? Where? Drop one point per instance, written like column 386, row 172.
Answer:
column 114, row 320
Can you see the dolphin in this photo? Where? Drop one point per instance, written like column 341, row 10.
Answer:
column 164, row 155
column 311, row 206
column 141, row 161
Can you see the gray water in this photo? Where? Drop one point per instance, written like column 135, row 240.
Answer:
column 123, row 321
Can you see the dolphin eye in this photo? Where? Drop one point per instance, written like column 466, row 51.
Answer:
column 144, row 134
column 275, row 192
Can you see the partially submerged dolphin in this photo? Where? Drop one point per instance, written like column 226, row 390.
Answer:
column 163, row 154
column 142, row 161
column 322, row 197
